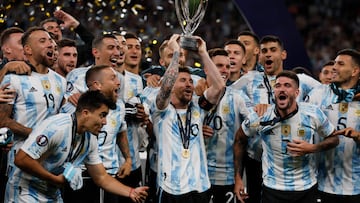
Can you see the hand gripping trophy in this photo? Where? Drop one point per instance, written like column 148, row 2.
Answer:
column 190, row 13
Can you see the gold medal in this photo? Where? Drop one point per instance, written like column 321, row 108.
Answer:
column 186, row 153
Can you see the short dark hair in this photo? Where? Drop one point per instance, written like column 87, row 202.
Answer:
column 272, row 38
column 5, row 35
column 131, row 35
column 251, row 34
column 93, row 100
column 217, row 52
column 99, row 39
column 289, row 74
column 184, row 69
column 329, row 63
column 355, row 55
column 48, row 20
column 66, row 43
column 300, row 69
column 237, row 42
column 93, row 72
column 25, row 37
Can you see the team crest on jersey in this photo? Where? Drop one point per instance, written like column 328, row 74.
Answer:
column 69, row 87
column 301, row 132
column 46, row 84
column 42, row 140
column 225, row 109
column 130, row 94
column 58, row 89
column 343, row 107
column 357, row 112
column 272, row 82
column 285, row 130
column 113, row 122
column 196, row 114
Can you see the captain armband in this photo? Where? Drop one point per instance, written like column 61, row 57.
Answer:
column 204, row 103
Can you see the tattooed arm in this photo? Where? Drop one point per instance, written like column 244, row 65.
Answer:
column 169, row 78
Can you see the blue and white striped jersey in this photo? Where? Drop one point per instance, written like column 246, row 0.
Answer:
column 233, row 108
column 259, row 88
column 38, row 96
column 339, row 168
column 107, row 146
column 281, row 171
column 50, row 144
column 133, row 87
column 76, row 81
column 177, row 174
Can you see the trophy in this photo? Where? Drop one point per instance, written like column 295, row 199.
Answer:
column 190, row 13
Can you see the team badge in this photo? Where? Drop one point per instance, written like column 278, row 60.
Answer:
column 285, row 130
column 272, row 82
column 301, row 132
column 226, row 109
column 42, row 140
column 343, row 107
column 196, row 114
column 130, row 94
column 113, row 122
column 46, row 84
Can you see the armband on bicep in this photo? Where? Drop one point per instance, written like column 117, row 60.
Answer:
column 204, row 103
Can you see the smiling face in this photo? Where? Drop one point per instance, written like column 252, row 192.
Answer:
column 40, row 48
column 183, row 88
column 108, row 52
column 345, row 70
column 285, row 91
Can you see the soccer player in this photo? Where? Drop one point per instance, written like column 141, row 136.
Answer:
column 339, row 167
column 259, row 86
column 287, row 131
column 221, row 124
column 111, row 137
column 53, row 152
column 177, row 120
column 38, row 95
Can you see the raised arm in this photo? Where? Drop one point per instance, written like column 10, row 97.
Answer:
column 213, row 93
column 169, row 78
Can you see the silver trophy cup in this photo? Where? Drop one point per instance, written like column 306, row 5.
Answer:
column 190, row 13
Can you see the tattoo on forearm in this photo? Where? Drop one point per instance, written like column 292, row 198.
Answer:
column 168, row 81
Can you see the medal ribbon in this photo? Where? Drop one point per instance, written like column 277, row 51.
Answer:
column 278, row 117
column 269, row 89
column 73, row 154
column 185, row 133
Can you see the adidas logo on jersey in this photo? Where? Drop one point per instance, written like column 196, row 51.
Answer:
column 64, row 150
column 329, row 107
column 33, row 89
column 261, row 86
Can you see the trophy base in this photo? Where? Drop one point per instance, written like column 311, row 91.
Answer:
column 188, row 43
